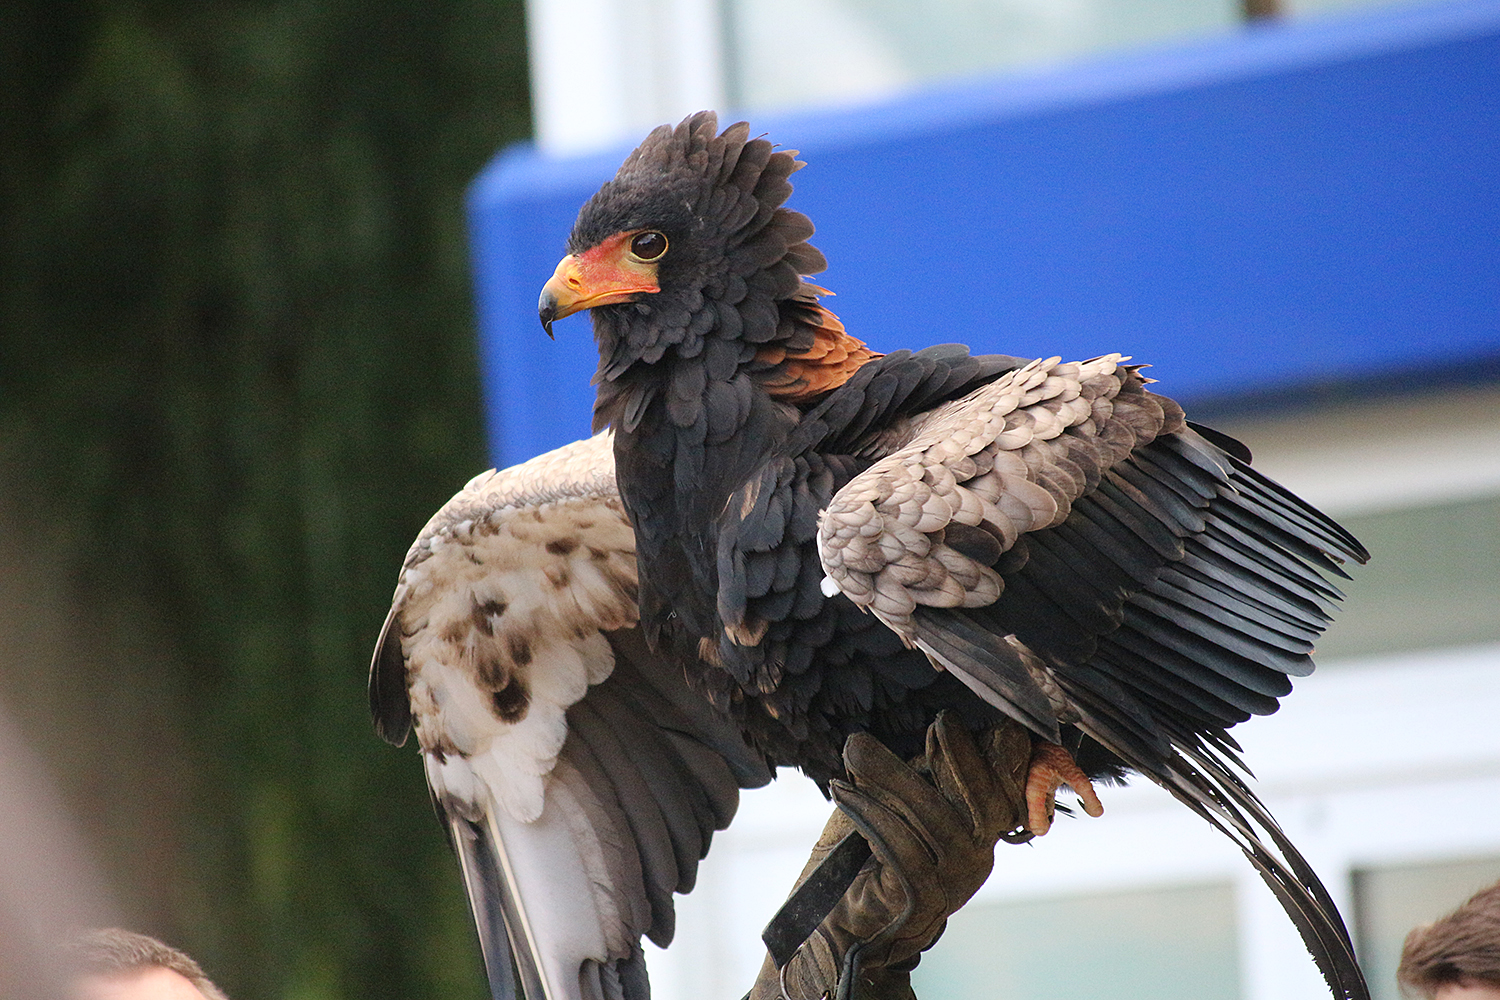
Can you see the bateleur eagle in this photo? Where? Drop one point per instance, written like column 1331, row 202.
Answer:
column 580, row 775
column 838, row 541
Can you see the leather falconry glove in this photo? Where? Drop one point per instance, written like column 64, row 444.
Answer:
column 932, row 826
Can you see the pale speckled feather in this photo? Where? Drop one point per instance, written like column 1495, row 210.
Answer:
column 501, row 604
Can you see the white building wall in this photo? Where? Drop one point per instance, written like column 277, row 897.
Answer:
column 604, row 72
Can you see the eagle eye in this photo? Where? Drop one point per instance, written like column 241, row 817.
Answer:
column 648, row 245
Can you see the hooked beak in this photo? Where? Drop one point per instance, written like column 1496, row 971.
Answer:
column 600, row 276
column 547, row 309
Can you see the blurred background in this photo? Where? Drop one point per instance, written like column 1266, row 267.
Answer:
column 237, row 372
column 242, row 359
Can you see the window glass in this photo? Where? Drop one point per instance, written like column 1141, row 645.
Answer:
column 1299, row 8
column 1153, row 944
column 1433, row 580
column 783, row 56
column 780, row 53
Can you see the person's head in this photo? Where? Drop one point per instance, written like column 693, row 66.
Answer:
column 114, row 964
column 1457, row 957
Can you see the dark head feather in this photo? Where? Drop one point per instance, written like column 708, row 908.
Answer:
column 735, row 252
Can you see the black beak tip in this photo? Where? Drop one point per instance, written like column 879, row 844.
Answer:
column 546, row 311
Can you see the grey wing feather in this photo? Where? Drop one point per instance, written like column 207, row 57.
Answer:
column 1006, row 460
column 390, row 708
column 579, row 775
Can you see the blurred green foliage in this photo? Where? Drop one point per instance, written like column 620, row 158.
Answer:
column 237, row 357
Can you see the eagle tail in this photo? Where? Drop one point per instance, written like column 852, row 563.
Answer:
column 1208, row 785
column 521, row 935
column 514, row 973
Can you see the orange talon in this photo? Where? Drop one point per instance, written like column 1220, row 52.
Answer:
column 1051, row 768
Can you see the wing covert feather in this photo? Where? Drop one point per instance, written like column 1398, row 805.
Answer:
column 1009, row 458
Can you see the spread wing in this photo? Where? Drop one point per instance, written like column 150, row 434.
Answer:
column 579, row 778
column 1066, row 545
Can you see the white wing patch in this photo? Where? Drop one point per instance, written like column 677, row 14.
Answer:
column 502, row 604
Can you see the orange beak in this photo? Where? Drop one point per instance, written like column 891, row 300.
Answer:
column 600, row 276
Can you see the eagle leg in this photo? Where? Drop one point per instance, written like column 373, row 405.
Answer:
column 1051, row 768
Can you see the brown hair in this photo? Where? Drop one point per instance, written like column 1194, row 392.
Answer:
column 113, row 952
column 1461, row 947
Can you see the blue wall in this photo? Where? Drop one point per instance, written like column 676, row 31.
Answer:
column 1294, row 204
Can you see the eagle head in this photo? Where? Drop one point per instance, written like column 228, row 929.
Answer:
column 688, row 244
